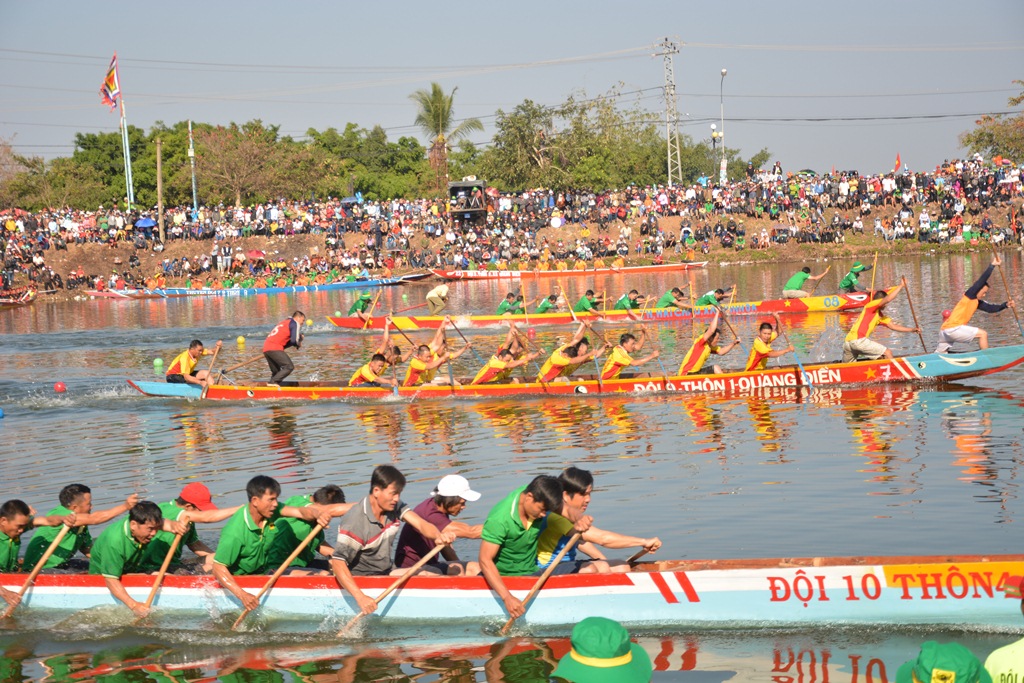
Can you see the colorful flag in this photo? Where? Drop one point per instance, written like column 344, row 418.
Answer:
column 897, row 169
column 111, row 88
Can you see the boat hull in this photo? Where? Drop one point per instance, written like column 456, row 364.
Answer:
column 590, row 272
column 782, row 381
column 962, row 590
column 815, row 304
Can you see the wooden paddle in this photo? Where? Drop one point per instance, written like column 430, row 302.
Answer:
column 632, row 559
column 369, row 317
column 910, row 300
column 395, row 586
column 409, row 308
column 873, row 271
column 280, row 570
column 526, row 309
column 238, row 365
column 466, row 342
column 816, row 282
column 39, row 566
column 803, row 373
column 543, row 579
column 209, row 373
column 1006, row 287
column 721, row 314
column 163, row 567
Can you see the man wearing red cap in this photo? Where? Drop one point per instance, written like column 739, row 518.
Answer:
column 193, row 504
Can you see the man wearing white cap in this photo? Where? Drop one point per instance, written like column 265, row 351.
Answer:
column 447, row 500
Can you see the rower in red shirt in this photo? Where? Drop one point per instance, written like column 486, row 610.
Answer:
column 285, row 334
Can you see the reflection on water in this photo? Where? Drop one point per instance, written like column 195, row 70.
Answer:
column 779, row 472
column 837, row 655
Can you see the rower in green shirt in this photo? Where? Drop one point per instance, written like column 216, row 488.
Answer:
column 361, row 304
column 76, row 498
column 15, row 519
column 508, row 542
column 587, row 304
column 715, row 297
column 193, row 504
column 120, row 548
column 291, row 532
column 245, row 539
column 546, row 305
column 512, row 304
column 628, row 302
column 673, row 297
column 794, row 287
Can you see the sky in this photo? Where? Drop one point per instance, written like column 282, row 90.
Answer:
column 820, row 85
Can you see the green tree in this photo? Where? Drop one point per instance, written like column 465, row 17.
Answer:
column 435, row 117
column 61, row 182
column 237, row 163
column 999, row 134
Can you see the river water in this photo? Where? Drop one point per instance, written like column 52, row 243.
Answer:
column 875, row 471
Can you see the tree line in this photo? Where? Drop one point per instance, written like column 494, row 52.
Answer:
column 585, row 143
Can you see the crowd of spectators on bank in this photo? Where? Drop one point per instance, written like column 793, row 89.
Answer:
column 962, row 200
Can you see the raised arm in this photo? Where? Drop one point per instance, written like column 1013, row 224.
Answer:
column 110, row 513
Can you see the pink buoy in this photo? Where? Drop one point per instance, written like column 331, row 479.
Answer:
column 59, row 387
column 946, row 313
column 531, row 333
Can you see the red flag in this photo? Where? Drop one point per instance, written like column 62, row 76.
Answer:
column 897, row 169
column 111, row 88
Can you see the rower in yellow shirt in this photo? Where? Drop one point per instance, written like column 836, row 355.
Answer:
column 621, row 357
column 761, row 350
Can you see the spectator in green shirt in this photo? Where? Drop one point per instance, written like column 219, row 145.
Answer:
column 75, row 498
column 120, row 548
column 508, row 542
column 15, row 519
column 245, row 538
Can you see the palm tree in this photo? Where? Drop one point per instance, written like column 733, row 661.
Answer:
column 435, row 118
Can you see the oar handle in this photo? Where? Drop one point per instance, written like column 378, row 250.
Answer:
column 543, row 578
column 243, row 363
column 631, row 560
column 910, row 300
column 372, row 306
column 209, row 373
column 163, row 567
column 396, row 585
column 39, row 566
column 281, row 570
column 1006, row 288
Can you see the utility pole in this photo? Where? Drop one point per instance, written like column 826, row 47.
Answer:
column 675, row 166
column 160, row 189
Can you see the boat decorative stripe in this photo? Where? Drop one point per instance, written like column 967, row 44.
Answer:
column 662, row 585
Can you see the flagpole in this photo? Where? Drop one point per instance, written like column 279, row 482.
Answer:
column 127, row 155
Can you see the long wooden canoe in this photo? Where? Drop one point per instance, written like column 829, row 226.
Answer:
column 178, row 292
column 813, row 304
column 961, row 590
column 924, row 368
column 589, row 272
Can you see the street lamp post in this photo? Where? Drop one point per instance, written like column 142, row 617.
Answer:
column 721, row 133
